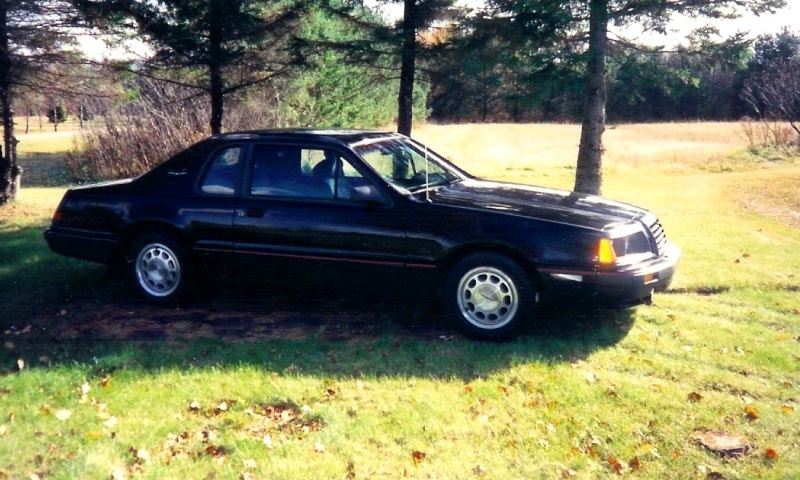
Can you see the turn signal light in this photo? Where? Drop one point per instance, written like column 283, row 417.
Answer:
column 58, row 216
column 605, row 252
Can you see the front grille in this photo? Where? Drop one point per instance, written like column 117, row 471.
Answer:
column 658, row 233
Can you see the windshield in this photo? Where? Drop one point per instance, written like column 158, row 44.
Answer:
column 406, row 164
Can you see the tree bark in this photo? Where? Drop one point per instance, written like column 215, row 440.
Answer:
column 217, row 90
column 9, row 170
column 589, row 171
column 408, row 55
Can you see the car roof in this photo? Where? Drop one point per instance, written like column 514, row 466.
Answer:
column 342, row 136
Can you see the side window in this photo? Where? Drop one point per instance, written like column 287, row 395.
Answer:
column 352, row 186
column 222, row 173
column 283, row 171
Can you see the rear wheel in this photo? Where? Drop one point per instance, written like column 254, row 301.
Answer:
column 161, row 268
column 489, row 295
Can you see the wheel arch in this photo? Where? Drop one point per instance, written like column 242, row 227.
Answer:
column 137, row 230
column 513, row 253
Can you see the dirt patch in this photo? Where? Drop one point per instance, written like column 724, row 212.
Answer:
column 114, row 313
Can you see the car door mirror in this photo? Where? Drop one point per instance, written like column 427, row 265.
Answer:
column 367, row 194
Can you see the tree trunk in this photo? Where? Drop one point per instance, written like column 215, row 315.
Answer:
column 9, row 170
column 217, row 103
column 408, row 55
column 217, row 91
column 589, row 171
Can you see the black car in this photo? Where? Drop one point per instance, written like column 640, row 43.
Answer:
column 372, row 202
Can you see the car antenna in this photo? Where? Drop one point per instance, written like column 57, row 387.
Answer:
column 427, row 183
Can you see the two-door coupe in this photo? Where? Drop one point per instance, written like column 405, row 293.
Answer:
column 381, row 203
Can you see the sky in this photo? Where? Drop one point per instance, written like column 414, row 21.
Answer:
column 789, row 17
column 679, row 27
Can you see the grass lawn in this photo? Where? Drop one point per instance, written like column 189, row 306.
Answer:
column 596, row 394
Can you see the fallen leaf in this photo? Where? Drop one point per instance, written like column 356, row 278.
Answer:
column 142, row 454
column 745, row 255
column 63, row 414
column 479, row 470
column 94, row 435
column 695, row 397
column 85, row 388
column 591, row 377
column 614, row 465
column 418, row 457
column 3, row 430
column 223, row 406
column 751, row 413
column 330, row 393
column 635, row 464
column 787, row 408
column 467, row 389
column 216, row 450
column 118, row 474
column 672, row 316
column 111, row 422
column 105, row 382
column 268, row 441
column 771, row 454
column 319, row 448
column 250, row 464
column 194, row 406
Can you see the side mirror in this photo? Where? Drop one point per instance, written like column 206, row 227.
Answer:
column 367, row 194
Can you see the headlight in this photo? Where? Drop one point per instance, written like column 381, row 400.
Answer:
column 626, row 244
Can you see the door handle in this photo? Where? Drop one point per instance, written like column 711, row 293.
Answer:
column 253, row 212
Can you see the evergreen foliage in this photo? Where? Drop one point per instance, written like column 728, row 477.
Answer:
column 338, row 91
column 57, row 113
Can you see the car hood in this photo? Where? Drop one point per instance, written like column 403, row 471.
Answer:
column 533, row 202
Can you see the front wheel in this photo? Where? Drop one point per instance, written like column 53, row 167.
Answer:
column 490, row 295
column 161, row 268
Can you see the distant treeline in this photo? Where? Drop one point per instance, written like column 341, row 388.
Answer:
column 488, row 81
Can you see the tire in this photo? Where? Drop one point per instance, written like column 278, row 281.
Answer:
column 490, row 296
column 161, row 268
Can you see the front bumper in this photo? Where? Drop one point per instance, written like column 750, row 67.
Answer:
column 627, row 286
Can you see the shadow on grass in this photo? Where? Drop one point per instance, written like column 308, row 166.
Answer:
column 43, row 169
column 310, row 330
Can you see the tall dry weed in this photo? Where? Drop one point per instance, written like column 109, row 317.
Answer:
column 131, row 139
